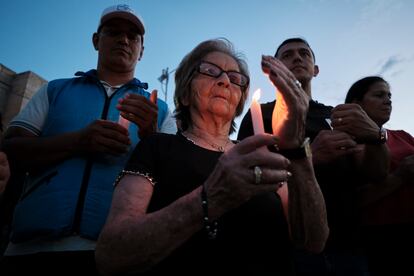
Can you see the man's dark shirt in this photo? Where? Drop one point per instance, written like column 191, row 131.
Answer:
column 337, row 179
column 315, row 120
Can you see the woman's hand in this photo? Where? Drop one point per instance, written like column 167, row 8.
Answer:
column 292, row 103
column 235, row 179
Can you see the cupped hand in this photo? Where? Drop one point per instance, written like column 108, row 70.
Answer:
column 292, row 103
column 352, row 119
column 141, row 111
column 103, row 136
column 329, row 145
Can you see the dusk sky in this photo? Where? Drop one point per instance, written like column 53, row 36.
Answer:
column 351, row 39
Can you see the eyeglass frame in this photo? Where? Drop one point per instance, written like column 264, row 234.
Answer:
column 221, row 72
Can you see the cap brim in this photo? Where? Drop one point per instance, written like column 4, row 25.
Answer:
column 123, row 15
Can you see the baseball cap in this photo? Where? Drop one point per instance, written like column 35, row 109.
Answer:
column 122, row 11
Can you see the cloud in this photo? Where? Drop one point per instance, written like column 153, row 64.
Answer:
column 390, row 63
column 379, row 12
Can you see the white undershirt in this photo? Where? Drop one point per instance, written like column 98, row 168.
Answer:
column 110, row 89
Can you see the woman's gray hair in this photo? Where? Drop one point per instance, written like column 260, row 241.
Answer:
column 185, row 72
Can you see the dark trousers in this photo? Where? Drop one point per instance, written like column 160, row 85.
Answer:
column 390, row 249
column 331, row 263
column 50, row 263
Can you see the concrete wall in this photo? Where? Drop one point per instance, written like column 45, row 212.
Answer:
column 15, row 91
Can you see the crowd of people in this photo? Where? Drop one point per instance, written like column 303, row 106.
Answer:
column 99, row 176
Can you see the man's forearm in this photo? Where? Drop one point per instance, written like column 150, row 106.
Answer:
column 37, row 153
column 307, row 212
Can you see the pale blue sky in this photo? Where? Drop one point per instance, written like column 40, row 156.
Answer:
column 351, row 39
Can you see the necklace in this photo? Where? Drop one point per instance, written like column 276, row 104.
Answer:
column 214, row 145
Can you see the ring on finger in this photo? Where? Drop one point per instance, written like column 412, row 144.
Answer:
column 298, row 84
column 258, row 174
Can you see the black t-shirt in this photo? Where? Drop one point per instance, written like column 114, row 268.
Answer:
column 338, row 180
column 251, row 239
column 315, row 120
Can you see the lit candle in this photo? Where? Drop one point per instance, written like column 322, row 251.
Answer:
column 256, row 112
column 123, row 122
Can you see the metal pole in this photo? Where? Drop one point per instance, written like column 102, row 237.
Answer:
column 165, row 76
column 166, row 83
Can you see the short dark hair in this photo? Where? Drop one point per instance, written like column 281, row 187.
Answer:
column 361, row 87
column 292, row 40
column 185, row 72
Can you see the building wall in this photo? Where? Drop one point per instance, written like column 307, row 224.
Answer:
column 16, row 89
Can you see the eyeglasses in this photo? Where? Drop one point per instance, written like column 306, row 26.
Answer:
column 212, row 70
column 132, row 36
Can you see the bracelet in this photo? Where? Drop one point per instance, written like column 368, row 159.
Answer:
column 136, row 173
column 209, row 227
column 304, row 151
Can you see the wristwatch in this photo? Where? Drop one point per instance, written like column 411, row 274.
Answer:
column 383, row 136
column 379, row 140
column 298, row 153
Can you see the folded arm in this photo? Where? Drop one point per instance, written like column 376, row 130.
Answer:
column 373, row 161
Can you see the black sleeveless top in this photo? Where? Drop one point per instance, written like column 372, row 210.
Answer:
column 252, row 239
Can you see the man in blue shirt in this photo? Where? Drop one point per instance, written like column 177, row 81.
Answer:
column 72, row 147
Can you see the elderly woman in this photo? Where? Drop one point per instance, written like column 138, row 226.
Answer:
column 197, row 202
column 388, row 209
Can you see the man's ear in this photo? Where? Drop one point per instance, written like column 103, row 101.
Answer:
column 141, row 53
column 315, row 70
column 95, row 41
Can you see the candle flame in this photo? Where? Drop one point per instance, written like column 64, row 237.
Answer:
column 256, row 95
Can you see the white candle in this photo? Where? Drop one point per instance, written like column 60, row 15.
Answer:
column 256, row 112
column 123, row 122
